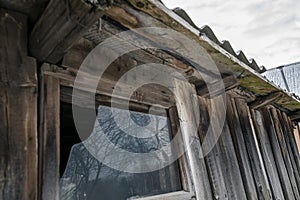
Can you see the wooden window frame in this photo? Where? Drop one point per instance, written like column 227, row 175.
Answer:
column 186, row 109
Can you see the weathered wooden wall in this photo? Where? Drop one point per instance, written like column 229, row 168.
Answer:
column 256, row 156
column 18, row 110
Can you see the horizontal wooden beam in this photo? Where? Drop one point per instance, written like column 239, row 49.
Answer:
column 61, row 24
column 148, row 94
column 100, row 99
column 217, row 88
column 265, row 100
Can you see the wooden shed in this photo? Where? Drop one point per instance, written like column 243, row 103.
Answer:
column 238, row 131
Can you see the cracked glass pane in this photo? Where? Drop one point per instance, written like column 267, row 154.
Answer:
column 86, row 177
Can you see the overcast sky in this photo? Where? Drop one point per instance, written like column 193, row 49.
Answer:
column 266, row 30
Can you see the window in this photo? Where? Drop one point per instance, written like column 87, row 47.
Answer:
column 85, row 177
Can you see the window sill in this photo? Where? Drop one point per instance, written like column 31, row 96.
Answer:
column 180, row 195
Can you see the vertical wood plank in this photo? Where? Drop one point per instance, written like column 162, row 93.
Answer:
column 18, row 110
column 49, row 137
column 288, row 148
column 284, row 152
column 291, row 140
column 211, row 159
column 187, row 106
column 254, row 152
column 240, row 148
column 267, row 139
column 230, row 167
column 182, row 160
column 297, row 136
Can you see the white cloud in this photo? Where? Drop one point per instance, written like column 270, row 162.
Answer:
column 268, row 31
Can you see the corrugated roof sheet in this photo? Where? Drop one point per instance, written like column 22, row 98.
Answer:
column 206, row 30
column 287, row 77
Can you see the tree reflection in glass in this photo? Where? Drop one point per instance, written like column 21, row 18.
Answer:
column 86, row 177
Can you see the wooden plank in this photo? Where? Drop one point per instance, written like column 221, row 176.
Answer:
column 159, row 39
column 291, row 140
column 284, row 151
column 180, row 195
column 240, row 148
column 148, row 94
column 61, row 24
column 218, row 87
column 187, row 112
column 275, row 154
column 225, row 175
column 214, row 167
column 265, row 100
column 80, row 50
column 18, row 110
column 228, row 159
column 49, row 137
column 254, row 152
column 294, row 162
column 186, row 179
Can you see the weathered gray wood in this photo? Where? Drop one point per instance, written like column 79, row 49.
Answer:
column 265, row 100
column 229, row 163
column 187, row 106
column 294, row 162
column 222, row 163
column 180, row 195
column 240, row 148
column 214, row 167
column 278, row 176
column 254, row 152
column 49, row 137
column 284, row 151
column 148, row 94
column 121, row 11
column 291, row 140
column 18, row 110
column 105, row 29
column 61, row 24
column 186, row 179
column 229, row 83
column 292, row 146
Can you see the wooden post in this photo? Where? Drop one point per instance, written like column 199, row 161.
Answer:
column 18, row 110
column 49, row 136
column 188, row 113
column 62, row 24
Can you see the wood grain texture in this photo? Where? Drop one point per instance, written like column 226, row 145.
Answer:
column 188, row 113
column 293, row 177
column 49, row 137
column 18, row 111
column 253, row 150
column 265, row 133
column 61, row 24
column 240, row 148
